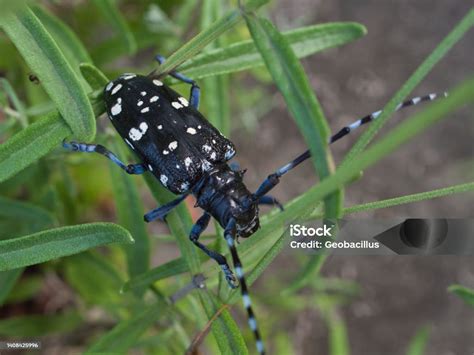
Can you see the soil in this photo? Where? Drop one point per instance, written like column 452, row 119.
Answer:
column 399, row 294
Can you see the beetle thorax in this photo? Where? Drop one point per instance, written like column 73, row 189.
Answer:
column 224, row 195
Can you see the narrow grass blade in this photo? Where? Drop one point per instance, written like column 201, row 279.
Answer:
column 38, row 325
column 66, row 39
column 196, row 44
column 94, row 279
column 130, row 215
column 243, row 55
column 58, row 79
column 310, row 272
column 26, row 212
column 8, row 280
column 460, row 96
column 466, row 294
column 126, row 333
column 113, row 15
column 418, row 343
column 96, row 79
column 422, row 196
column 32, row 143
column 226, row 332
column 164, row 271
column 292, row 82
column 439, row 52
column 17, row 104
column 55, row 243
column 338, row 340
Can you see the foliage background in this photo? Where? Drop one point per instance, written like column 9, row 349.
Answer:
column 350, row 81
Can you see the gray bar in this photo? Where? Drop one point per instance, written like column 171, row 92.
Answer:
column 20, row 345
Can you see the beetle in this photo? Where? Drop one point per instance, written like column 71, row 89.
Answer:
column 188, row 155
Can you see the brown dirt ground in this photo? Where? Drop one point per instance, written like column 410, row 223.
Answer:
column 399, row 294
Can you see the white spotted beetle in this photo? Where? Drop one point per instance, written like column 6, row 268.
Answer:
column 188, row 155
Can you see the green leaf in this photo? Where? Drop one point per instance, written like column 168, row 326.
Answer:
column 8, row 280
column 26, row 212
column 32, row 143
column 96, row 79
column 126, row 333
column 55, row 243
column 243, row 55
column 466, row 294
column 17, row 104
column 58, row 79
column 66, row 39
column 25, row 289
column 338, row 342
column 226, row 332
column 418, row 344
column 422, row 196
column 130, row 215
column 171, row 268
column 94, row 279
column 201, row 40
column 460, row 96
column 38, row 325
column 114, row 16
column 440, row 51
column 289, row 76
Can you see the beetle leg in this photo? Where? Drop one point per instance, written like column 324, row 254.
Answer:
column 162, row 211
column 196, row 231
column 270, row 200
column 195, row 92
column 229, row 234
column 97, row 148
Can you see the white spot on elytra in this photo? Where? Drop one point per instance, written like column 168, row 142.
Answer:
column 165, row 152
column 214, row 141
column 163, row 179
column 187, row 162
column 160, row 126
column 229, row 153
column 137, row 133
column 109, row 86
column 213, row 156
column 143, row 127
column 183, row 101
column 176, row 105
column 191, row 130
column 199, row 127
column 117, row 108
column 177, row 166
column 206, row 166
column 206, row 148
column 146, row 109
column 184, row 186
column 139, row 103
column 173, row 145
column 157, row 82
column 143, row 93
column 154, row 99
column 128, row 76
column 150, row 167
column 116, row 89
